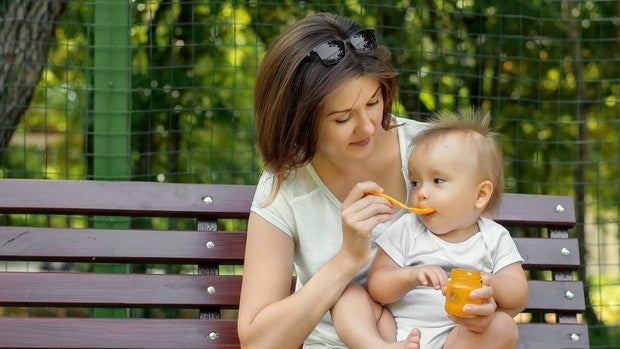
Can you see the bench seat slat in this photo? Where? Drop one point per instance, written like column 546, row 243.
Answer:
column 552, row 295
column 103, row 245
column 117, row 333
column 118, row 290
column 553, row 336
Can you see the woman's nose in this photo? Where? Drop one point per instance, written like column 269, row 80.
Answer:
column 366, row 124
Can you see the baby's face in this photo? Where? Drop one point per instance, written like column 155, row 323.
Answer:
column 445, row 175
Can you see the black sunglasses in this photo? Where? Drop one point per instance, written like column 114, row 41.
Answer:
column 331, row 52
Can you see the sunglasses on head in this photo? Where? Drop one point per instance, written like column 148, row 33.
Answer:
column 331, row 52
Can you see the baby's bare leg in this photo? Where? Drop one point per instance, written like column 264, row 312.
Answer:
column 386, row 323
column 362, row 323
column 502, row 333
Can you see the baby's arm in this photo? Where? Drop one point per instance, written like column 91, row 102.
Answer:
column 510, row 289
column 388, row 282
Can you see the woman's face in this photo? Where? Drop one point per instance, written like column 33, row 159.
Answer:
column 350, row 118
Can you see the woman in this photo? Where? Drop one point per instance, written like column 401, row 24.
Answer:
column 322, row 104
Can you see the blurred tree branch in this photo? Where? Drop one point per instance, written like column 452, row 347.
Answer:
column 26, row 30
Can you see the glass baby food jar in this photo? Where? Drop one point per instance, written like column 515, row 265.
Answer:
column 462, row 282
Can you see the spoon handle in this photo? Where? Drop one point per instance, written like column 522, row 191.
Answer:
column 418, row 210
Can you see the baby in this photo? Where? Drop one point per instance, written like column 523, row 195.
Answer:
column 455, row 167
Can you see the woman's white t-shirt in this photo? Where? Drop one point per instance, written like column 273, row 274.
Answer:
column 309, row 213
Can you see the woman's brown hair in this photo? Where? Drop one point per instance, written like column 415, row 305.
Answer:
column 292, row 84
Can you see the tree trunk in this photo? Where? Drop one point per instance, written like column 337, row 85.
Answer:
column 26, row 28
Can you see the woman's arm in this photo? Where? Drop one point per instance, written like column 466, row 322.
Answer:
column 269, row 316
column 265, row 295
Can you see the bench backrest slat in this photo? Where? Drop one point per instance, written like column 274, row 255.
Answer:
column 556, row 296
column 125, row 198
column 117, row 333
column 107, row 245
column 546, row 253
column 536, row 210
column 103, row 245
column 119, row 290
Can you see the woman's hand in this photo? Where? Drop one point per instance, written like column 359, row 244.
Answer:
column 481, row 313
column 360, row 214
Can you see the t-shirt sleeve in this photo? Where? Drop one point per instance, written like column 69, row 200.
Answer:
column 506, row 251
column 398, row 239
column 277, row 212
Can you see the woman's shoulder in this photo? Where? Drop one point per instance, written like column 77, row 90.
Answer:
column 298, row 183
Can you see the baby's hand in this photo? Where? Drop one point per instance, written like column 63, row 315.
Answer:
column 481, row 314
column 428, row 275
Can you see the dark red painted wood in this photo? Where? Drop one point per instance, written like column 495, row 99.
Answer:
column 119, row 290
column 117, row 333
column 206, row 251
column 104, row 245
column 536, row 210
column 124, row 198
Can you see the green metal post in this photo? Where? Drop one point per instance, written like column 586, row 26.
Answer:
column 112, row 124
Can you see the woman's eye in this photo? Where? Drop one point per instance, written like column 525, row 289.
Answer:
column 373, row 102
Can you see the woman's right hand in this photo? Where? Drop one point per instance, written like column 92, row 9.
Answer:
column 361, row 213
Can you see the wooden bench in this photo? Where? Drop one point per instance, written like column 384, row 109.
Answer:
column 58, row 232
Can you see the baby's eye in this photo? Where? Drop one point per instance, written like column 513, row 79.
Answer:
column 438, row 180
column 414, row 183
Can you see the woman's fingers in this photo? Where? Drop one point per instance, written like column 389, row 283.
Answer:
column 360, row 214
column 359, row 191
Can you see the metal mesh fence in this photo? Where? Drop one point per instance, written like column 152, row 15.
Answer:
column 162, row 91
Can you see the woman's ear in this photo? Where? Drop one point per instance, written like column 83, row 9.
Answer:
column 483, row 194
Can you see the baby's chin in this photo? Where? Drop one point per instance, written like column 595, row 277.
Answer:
column 439, row 230
column 432, row 225
column 435, row 229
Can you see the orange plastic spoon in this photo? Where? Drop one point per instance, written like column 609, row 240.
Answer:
column 417, row 210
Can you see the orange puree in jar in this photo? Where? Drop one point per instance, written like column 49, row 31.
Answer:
column 461, row 283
